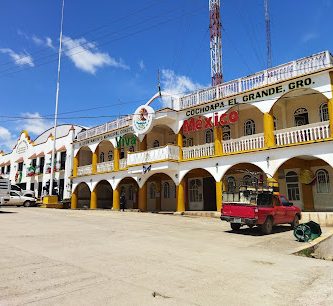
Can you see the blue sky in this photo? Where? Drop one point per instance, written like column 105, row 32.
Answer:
column 113, row 49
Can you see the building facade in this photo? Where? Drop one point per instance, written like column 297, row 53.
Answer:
column 278, row 122
column 29, row 164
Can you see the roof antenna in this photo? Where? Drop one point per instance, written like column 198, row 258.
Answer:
column 268, row 35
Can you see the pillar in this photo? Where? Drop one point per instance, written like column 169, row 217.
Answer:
column 116, row 198
column 330, row 106
column 116, row 157
column 74, row 200
column 94, row 162
column 181, row 196
column 143, row 144
column 269, row 130
column 218, row 196
column 75, row 165
column 143, row 197
column 180, row 144
column 93, row 199
column 218, row 140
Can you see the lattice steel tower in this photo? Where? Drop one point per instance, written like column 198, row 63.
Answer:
column 215, row 42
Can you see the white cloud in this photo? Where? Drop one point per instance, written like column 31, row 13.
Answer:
column 7, row 139
column 86, row 57
column 142, row 65
column 34, row 123
column 19, row 59
column 309, row 36
column 47, row 42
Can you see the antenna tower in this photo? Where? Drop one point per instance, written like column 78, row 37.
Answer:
column 268, row 35
column 215, row 42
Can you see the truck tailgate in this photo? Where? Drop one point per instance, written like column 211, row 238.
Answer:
column 238, row 210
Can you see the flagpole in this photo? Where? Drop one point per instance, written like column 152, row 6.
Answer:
column 57, row 100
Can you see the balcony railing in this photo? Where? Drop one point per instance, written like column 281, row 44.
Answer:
column 105, row 166
column 245, row 143
column 84, row 170
column 304, row 133
column 267, row 77
column 106, row 127
column 169, row 152
column 199, row 151
column 123, row 163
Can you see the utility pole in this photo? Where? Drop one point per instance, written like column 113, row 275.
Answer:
column 57, row 100
column 268, row 34
column 215, row 42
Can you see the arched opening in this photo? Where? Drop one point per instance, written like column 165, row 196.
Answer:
column 104, row 195
column 130, row 187
column 105, row 153
column 85, row 156
column 161, row 193
column 83, row 196
column 201, row 190
column 307, row 182
column 160, row 135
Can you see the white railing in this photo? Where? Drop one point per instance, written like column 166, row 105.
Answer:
column 84, row 170
column 169, row 152
column 245, row 143
column 270, row 76
column 207, row 149
column 304, row 133
column 105, row 167
column 123, row 163
column 106, row 127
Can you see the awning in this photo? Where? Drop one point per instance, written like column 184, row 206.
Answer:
column 20, row 160
column 61, row 149
column 40, row 154
column 32, row 156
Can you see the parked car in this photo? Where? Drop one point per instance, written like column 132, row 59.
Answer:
column 28, row 193
column 19, row 200
column 261, row 207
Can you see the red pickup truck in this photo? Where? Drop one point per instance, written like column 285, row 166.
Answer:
column 263, row 208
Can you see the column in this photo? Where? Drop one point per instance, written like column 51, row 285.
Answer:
column 75, row 164
column 180, row 144
column 94, row 161
column 93, row 199
column 181, row 196
column 143, row 197
column 218, row 140
column 330, row 106
column 116, row 198
column 74, row 200
column 218, row 196
column 269, row 137
column 116, row 155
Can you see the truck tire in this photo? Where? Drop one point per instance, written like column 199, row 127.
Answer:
column 27, row 204
column 235, row 226
column 295, row 222
column 267, row 227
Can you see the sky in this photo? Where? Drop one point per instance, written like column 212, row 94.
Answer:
column 113, row 50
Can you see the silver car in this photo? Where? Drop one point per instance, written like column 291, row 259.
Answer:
column 19, row 200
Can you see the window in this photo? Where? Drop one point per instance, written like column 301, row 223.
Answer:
column 195, row 194
column 122, row 153
column 323, row 112
column 2, row 170
column 209, row 136
column 131, row 149
column 41, row 164
column 187, row 142
column 284, row 201
column 101, row 157
column 231, row 184
column 166, row 190
column 20, row 167
column 156, row 143
column 34, row 162
column 249, row 127
column 152, row 191
column 62, row 160
column 292, row 186
column 110, row 155
column 8, row 169
column 226, row 132
column 301, row 116
column 323, row 181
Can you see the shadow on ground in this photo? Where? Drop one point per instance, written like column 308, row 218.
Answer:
column 7, row 212
column 255, row 231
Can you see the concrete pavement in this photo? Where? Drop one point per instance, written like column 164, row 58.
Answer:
column 64, row 257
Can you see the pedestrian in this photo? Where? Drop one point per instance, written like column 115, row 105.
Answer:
column 122, row 201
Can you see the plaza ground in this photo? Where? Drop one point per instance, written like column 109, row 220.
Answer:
column 96, row 257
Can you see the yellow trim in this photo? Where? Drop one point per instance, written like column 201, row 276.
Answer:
column 93, row 199
column 74, row 200
column 269, row 137
column 116, row 155
column 180, row 144
column 180, row 190
column 75, row 165
column 51, row 199
column 116, row 199
column 218, row 140
column 94, row 163
column 143, row 197
column 218, row 195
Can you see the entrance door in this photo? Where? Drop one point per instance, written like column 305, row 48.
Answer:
column 195, row 194
column 209, row 193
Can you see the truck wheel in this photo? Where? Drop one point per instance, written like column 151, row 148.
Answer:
column 295, row 222
column 267, row 227
column 235, row 226
column 27, row 204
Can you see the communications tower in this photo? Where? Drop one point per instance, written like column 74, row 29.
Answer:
column 215, row 42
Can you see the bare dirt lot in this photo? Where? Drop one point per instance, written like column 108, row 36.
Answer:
column 64, row 257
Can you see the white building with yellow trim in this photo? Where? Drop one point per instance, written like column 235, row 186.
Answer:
column 278, row 122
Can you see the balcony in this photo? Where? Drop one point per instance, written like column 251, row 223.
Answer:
column 123, row 163
column 169, row 152
column 271, row 76
column 245, row 143
column 199, row 151
column 84, row 170
column 105, row 167
column 304, row 133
